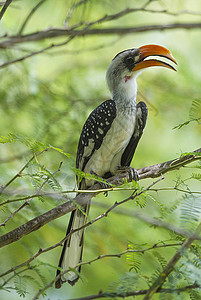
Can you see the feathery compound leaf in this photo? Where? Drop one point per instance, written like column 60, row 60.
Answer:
column 20, row 285
column 190, row 210
column 33, row 145
column 196, row 176
column 194, row 295
column 125, row 283
column 134, row 258
column 194, row 114
column 160, row 259
column 195, row 110
column 59, row 150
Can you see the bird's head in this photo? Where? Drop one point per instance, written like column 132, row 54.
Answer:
column 128, row 64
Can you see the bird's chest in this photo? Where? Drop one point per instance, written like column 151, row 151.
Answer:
column 121, row 130
column 108, row 156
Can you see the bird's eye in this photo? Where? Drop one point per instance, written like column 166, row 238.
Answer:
column 129, row 60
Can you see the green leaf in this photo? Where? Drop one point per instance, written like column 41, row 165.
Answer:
column 33, row 145
column 195, row 110
column 125, row 283
column 160, row 258
column 196, row 176
column 134, row 258
column 190, row 211
column 194, row 114
column 59, row 150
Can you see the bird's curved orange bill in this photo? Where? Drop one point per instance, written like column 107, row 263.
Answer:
column 153, row 50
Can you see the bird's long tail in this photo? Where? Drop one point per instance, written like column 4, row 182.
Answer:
column 73, row 247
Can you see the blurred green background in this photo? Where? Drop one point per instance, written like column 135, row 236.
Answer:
column 48, row 98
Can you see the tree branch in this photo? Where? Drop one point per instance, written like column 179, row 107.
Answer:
column 151, row 172
column 135, row 293
column 50, row 33
column 174, row 164
column 170, row 266
column 118, row 255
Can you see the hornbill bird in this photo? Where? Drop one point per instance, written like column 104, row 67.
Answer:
column 109, row 138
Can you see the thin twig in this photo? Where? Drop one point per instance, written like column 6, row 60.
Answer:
column 34, row 9
column 136, row 293
column 133, row 293
column 158, row 283
column 59, row 244
column 4, row 8
column 28, row 201
column 56, row 195
column 14, row 275
column 34, row 53
column 20, row 172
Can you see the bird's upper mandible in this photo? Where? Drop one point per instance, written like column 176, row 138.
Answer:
column 129, row 63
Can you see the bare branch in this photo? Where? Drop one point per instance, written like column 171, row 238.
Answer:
column 50, row 33
column 126, row 294
column 42, row 251
column 34, row 53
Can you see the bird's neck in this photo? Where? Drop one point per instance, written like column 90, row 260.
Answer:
column 125, row 94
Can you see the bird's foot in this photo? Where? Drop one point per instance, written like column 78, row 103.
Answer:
column 132, row 172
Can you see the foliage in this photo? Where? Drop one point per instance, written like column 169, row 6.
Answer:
column 45, row 99
column 194, row 114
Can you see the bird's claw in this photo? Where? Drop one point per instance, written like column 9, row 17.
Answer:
column 132, row 172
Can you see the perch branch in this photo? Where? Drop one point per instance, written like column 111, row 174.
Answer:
column 147, row 172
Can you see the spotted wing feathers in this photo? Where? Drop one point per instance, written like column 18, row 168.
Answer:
column 94, row 131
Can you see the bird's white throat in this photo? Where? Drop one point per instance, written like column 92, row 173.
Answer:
column 125, row 93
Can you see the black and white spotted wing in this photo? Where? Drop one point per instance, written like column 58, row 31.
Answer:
column 94, row 131
column 141, row 118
